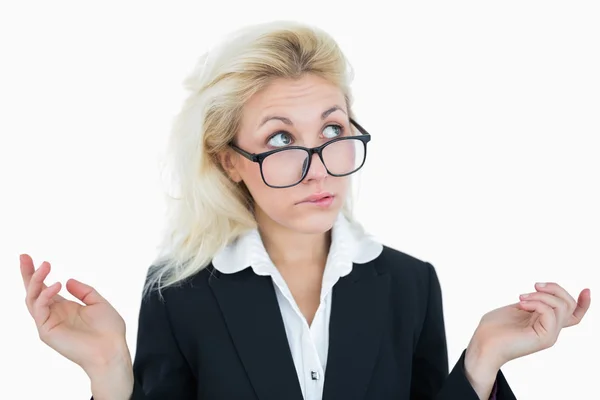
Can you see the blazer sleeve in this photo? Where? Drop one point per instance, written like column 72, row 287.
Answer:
column 160, row 370
column 430, row 377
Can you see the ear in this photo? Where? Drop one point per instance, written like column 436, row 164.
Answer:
column 228, row 162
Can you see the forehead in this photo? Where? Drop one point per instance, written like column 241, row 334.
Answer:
column 303, row 98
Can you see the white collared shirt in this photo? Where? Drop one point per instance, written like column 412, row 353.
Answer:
column 308, row 344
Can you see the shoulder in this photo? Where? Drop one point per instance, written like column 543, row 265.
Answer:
column 192, row 289
column 412, row 279
column 402, row 265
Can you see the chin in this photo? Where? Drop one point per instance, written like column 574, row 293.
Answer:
column 315, row 222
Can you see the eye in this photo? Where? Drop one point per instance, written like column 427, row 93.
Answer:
column 280, row 139
column 332, row 131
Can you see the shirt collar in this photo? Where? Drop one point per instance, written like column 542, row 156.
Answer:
column 349, row 244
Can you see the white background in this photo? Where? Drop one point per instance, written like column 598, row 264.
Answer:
column 484, row 160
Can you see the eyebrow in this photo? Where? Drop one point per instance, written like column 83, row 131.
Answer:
column 287, row 121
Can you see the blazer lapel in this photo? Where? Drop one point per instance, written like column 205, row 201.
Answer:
column 358, row 310
column 252, row 315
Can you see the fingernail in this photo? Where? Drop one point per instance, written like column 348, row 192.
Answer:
column 525, row 295
column 541, row 284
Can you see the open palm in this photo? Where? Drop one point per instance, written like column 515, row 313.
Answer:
column 86, row 334
column 533, row 324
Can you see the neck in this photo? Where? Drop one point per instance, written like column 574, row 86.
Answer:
column 292, row 249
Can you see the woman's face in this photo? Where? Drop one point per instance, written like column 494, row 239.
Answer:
column 305, row 112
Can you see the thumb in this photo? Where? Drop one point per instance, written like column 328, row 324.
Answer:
column 87, row 294
column 546, row 326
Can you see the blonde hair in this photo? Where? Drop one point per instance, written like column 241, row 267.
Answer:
column 211, row 210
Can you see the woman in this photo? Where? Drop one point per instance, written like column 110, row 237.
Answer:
column 266, row 287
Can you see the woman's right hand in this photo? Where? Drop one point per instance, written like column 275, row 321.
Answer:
column 90, row 335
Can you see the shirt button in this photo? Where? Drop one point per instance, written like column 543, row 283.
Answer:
column 315, row 375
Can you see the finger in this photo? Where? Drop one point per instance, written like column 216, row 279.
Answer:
column 27, row 271
column 546, row 326
column 583, row 304
column 36, row 284
column 27, row 268
column 560, row 306
column 87, row 294
column 549, row 299
column 41, row 307
column 559, row 291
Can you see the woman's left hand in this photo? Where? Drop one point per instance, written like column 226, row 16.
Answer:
column 527, row 327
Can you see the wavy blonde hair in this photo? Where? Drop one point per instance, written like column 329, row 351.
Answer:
column 211, row 210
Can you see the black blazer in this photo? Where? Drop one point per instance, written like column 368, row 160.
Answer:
column 221, row 337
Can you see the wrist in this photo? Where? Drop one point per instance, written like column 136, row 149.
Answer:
column 112, row 387
column 481, row 369
column 109, row 357
column 112, row 376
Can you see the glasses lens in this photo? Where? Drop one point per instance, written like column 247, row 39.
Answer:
column 284, row 168
column 344, row 156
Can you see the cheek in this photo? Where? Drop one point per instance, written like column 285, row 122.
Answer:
column 250, row 173
column 265, row 197
column 342, row 186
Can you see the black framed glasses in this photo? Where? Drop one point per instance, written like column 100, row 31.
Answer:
column 288, row 166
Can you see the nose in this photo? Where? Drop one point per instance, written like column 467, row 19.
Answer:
column 317, row 169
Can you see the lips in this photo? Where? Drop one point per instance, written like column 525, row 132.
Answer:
column 317, row 197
